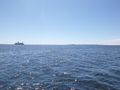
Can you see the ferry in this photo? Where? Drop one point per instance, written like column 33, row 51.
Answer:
column 19, row 43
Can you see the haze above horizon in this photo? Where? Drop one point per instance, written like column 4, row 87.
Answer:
column 60, row 21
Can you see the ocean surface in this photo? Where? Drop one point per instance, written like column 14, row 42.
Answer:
column 59, row 67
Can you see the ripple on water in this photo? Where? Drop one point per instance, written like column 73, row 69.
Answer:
column 59, row 68
column 94, row 85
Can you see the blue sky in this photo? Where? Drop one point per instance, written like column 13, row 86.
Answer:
column 60, row 21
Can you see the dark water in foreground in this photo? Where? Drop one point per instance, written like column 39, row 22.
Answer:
column 59, row 67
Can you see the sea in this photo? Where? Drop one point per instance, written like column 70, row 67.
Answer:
column 59, row 67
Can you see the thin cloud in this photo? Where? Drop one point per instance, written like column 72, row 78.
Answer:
column 112, row 42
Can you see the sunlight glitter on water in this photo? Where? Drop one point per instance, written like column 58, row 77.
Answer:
column 72, row 68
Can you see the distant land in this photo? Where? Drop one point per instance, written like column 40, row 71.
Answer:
column 68, row 44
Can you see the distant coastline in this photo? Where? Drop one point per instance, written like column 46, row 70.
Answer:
column 64, row 44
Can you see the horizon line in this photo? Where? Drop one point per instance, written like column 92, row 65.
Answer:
column 66, row 44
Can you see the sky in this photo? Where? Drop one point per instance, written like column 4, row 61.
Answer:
column 60, row 21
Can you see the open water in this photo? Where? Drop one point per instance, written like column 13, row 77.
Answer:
column 59, row 67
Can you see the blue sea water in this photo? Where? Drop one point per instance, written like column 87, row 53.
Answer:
column 59, row 67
